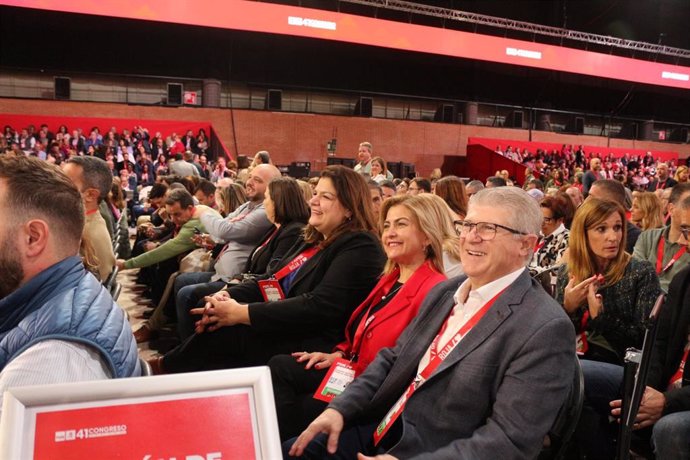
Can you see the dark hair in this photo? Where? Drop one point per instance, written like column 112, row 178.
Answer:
column 614, row 190
column 677, row 191
column 264, row 156
column 95, row 174
column 561, row 206
column 181, row 196
column 206, row 186
column 452, row 190
column 422, row 183
column 497, row 181
column 373, row 185
column 289, row 201
column 158, row 190
column 36, row 188
column 388, row 183
column 353, row 194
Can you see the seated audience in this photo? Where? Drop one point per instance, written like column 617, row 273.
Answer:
column 553, row 242
column 606, row 292
column 305, row 301
column 452, row 190
column 388, row 188
column 379, row 171
column 229, row 198
column 57, row 322
column 92, row 178
column 495, row 181
column 473, row 187
column 662, row 180
column 376, row 197
column 646, row 210
column 411, row 237
column 497, row 392
column 287, row 210
column 419, row 185
column 674, row 256
column 206, row 193
column 239, row 233
column 612, row 190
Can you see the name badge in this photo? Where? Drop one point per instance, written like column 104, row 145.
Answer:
column 338, row 377
column 271, row 290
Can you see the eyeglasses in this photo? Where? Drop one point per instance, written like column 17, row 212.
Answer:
column 685, row 230
column 485, row 230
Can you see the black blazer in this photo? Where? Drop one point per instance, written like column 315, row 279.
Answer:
column 271, row 254
column 672, row 335
column 323, row 295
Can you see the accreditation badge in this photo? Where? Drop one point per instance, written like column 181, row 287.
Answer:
column 339, row 376
column 271, row 290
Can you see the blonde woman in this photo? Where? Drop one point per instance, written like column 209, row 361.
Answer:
column 646, row 210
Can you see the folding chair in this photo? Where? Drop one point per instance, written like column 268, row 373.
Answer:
column 635, row 380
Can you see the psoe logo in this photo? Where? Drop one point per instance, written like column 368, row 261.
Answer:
column 209, row 456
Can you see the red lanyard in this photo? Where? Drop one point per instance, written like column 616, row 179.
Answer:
column 93, row 211
column 436, row 358
column 681, row 368
column 297, row 262
column 583, row 331
column 660, row 256
column 540, row 245
column 266, row 241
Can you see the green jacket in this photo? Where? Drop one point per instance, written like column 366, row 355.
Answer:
column 646, row 249
column 173, row 247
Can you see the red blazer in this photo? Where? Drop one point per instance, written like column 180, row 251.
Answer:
column 390, row 321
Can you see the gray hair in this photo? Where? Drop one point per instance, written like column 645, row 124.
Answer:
column 475, row 185
column 524, row 213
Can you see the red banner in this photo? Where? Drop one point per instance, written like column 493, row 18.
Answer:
column 306, row 22
column 199, row 428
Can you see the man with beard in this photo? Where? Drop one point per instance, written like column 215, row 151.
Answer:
column 57, row 322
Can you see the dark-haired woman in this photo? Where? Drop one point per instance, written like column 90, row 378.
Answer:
column 304, row 302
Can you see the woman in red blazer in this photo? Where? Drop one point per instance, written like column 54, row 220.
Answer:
column 414, row 230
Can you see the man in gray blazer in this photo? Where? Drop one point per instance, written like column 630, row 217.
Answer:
column 509, row 354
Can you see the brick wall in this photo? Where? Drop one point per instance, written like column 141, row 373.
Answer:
column 302, row 137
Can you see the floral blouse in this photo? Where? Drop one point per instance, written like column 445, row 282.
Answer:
column 550, row 251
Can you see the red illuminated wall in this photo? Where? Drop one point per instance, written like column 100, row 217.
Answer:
column 305, row 22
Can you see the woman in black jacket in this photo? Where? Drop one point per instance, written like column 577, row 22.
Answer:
column 304, row 302
column 289, row 213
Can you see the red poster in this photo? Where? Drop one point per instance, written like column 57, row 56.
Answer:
column 201, row 428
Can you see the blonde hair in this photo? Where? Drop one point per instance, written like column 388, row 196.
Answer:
column 432, row 216
column 681, row 169
column 581, row 259
column 650, row 205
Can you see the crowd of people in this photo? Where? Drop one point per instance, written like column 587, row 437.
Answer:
column 400, row 317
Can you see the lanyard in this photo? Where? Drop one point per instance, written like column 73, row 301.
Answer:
column 366, row 322
column 583, row 332
column 436, row 358
column 660, row 256
column 681, row 368
column 266, row 241
column 93, row 211
column 297, row 262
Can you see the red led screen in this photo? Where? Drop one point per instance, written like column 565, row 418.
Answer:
column 305, row 22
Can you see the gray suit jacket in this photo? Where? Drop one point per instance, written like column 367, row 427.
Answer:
column 495, row 396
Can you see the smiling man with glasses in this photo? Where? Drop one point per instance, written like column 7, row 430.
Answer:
column 493, row 351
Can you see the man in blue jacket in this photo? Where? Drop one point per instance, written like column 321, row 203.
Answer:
column 57, row 323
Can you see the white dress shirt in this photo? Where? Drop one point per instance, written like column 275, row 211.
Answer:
column 467, row 303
